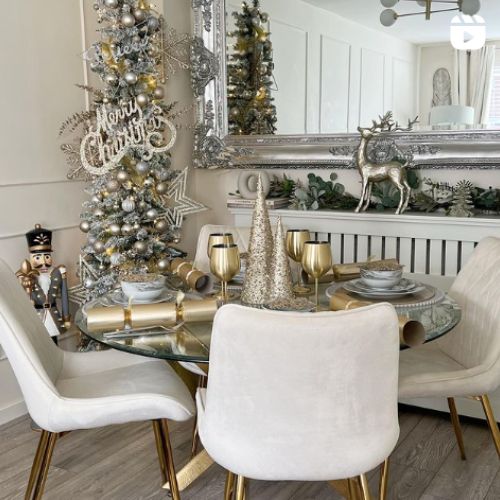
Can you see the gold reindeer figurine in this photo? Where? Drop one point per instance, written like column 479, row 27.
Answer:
column 371, row 172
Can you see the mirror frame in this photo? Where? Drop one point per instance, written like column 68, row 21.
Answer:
column 215, row 148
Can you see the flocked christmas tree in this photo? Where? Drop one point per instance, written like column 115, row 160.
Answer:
column 250, row 74
column 462, row 204
column 137, row 201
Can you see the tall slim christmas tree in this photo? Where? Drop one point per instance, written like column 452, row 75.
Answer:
column 137, row 202
column 250, row 74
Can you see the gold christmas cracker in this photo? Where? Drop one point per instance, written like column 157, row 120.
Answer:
column 349, row 271
column 411, row 332
column 108, row 319
column 192, row 277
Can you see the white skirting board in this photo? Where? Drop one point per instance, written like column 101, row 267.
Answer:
column 13, row 411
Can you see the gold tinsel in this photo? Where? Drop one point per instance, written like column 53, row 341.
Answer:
column 256, row 289
column 281, row 277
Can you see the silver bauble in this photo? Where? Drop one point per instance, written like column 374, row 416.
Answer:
column 142, row 205
column 111, row 4
column 96, row 198
column 127, row 229
column 163, row 265
column 99, row 246
column 142, row 100
column 162, row 174
column 110, row 79
column 114, row 229
column 89, row 283
column 84, row 226
column 161, row 226
column 128, row 20
column 140, row 246
column 152, row 213
column 140, row 14
column 148, row 182
column 122, row 176
column 136, row 226
column 128, row 205
column 98, row 212
column 161, row 187
column 153, row 24
column 112, row 185
column 130, row 77
column 142, row 167
column 158, row 93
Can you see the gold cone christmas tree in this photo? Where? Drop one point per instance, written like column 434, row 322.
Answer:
column 256, row 289
column 281, row 275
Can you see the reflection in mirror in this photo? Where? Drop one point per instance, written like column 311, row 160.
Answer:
column 323, row 67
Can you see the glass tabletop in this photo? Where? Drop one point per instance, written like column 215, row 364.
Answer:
column 191, row 341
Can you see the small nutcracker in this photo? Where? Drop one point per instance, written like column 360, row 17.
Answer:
column 45, row 283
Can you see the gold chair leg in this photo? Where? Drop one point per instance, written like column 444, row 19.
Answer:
column 455, row 420
column 353, row 489
column 37, row 463
column 384, row 479
column 228, row 489
column 44, row 466
column 160, row 448
column 364, row 487
column 240, row 488
column 172, row 476
column 485, row 401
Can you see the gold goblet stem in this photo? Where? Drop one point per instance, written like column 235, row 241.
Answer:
column 316, row 287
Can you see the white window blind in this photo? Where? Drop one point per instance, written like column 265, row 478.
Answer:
column 494, row 119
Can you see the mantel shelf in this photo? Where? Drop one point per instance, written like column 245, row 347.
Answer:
column 380, row 217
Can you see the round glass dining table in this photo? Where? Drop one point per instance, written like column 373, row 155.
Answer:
column 190, row 342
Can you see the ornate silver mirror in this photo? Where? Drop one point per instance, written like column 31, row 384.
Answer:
column 332, row 67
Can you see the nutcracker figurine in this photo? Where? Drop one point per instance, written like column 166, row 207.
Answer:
column 45, row 283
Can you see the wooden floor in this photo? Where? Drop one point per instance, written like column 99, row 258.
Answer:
column 120, row 463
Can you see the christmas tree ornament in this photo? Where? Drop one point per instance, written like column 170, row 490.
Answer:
column 98, row 212
column 128, row 205
column 128, row 20
column 84, row 226
column 158, row 93
column 115, row 229
column 148, row 182
column 89, row 283
column 140, row 14
column 161, row 188
column 130, row 77
column 152, row 213
column 126, row 229
column 140, row 246
column 281, row 276
column 256, row 288
column 96, row 198
column 122, row 176
column 142, row 167
column 112, row 185
column 110, row 79
column 163, row 265
column 111, row 4
column 142, row 100
column 161, row 226
column 153, row 24
column 99, row 246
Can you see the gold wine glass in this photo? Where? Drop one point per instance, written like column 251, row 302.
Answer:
column 317, row 261
column 219, row 239
column 295, row 240
column 224, row 264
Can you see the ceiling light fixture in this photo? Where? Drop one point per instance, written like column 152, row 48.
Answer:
column 389, row 16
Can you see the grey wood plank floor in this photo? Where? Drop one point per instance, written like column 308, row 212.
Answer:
column 120, row 463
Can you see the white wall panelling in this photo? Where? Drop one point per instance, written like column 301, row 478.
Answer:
column 39, row 93
column 372, row 90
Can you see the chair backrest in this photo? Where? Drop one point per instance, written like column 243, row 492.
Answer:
column 241, row 236
column 35, row 359
column 294, row 396
column 476, row 339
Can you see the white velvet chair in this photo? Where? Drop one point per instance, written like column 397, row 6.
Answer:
column 65, row 391
column 306, row 397
column 466, row 361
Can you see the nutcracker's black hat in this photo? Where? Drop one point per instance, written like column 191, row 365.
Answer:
column 39, row 239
